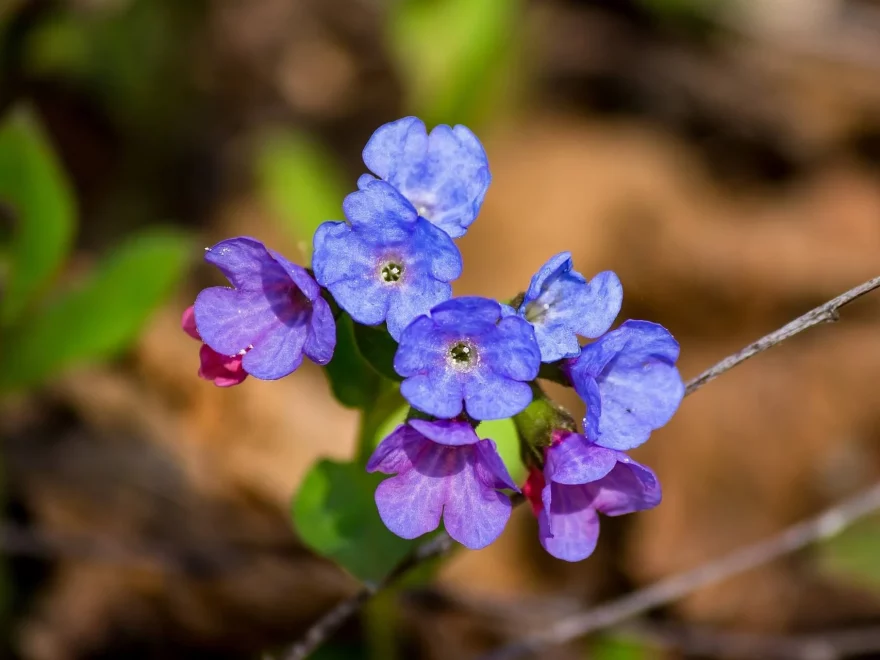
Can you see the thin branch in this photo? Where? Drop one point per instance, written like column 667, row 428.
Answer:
column 324, row 627
column 827, row 313
column 826, row 525
column 705, row 641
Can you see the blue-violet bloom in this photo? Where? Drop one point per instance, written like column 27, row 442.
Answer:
column 273, row 316
column 443, row 469
column 464, row 354
column 561, row 304
column 386, row 263
column 629, row 382
column 444, row 175
column 579, row 481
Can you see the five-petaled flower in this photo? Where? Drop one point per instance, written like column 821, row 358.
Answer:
column 629, row 382
column 579, row 481
column 222, row 370
column 444, row 175
column 443, row 469
column 464, row 354
column 273, row 316
column 386, row 263
column 561, row 305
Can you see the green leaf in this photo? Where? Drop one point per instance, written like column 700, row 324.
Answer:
column 378, row 349
column 100, row 318
column 616, row 648
column 852, row 555
column 503, row 432
column 335, row 515
column 452, row 78
column 301, row 183
column 354, row 383
column 33, row 185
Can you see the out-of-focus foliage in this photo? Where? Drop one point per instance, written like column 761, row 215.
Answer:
column 301, row 184
column 854, row 555
column 34, row 191
column 454, row 55
column 353, row 382
column 616, row 648
column 45, row 331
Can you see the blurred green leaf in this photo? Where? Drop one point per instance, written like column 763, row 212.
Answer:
column 33, row 185
column 301, row 183
column 100, row 318
column 616, row 648
column 378, row 349
column 454, row 54
column 503, row 432
column 335, row 515
column 354, row 383
column 853, row 554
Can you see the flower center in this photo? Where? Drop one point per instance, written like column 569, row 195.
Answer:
column 536, row 310
column 392, row 272
column 462, row 355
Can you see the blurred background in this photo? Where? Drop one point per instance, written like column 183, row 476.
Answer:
column 722, row 157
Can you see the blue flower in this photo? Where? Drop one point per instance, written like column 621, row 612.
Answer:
column 561, row 305
column 465, row 354
column 273, row 316
column 630, row 384
column 580, row 480
column 443, row 469
column 386, row 263
column 444, row 175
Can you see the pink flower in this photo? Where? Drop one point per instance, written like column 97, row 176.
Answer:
column 223, row 370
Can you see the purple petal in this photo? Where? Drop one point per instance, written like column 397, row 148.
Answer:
column 321, row 340
column 245, row 262
column 629, row 487
column 277, row 351
column 391, row 456
column 446, row 432
column 230, row 320
column 475, row 514
column 575, row 460
column 491, row 469
column 568, row 524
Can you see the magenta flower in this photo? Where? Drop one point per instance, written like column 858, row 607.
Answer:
column 222, row 370
column 443, row 470
column 579, row 481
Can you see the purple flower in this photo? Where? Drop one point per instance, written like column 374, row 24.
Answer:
column 222, row 370
column 444, row 175
column 561, row 305
column 465, row 354
column 579, row 481
column 630, row 384
column 443, row 469
column 273, row 316
column 386, row 263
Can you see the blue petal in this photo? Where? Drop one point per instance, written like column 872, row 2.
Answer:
column 640, row 388
column 490, row 396
column 394, row 145
column 412, row 299
column 382, row 211
column 339, row 254
column 466, row 308
column 511, row 350
column 364, row 180
column 434, row 248
column 444, row 175
column 576, row 461
column 421, row 348
column 438, row 393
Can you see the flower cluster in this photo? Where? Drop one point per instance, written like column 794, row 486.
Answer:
column 390, row 263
